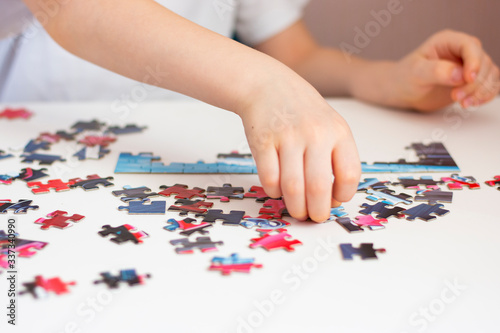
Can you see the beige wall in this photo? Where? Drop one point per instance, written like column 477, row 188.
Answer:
column 334, row 21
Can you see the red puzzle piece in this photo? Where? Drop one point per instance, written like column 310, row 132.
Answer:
column 58, row 220
column 93, row 140
column 56, row 184
column 258, row 193
column 190, row 206
column 273, row 207
column 15, row 113
column 370, row 221
column 182, row 191
column 276, row 239
column 456, row 182
column 228, row 269
column 49, row 137
column 494, row 182
column 55, row 285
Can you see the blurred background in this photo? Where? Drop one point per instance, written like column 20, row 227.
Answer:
column 334, row 21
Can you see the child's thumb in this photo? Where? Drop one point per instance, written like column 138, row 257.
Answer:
column 441, row 72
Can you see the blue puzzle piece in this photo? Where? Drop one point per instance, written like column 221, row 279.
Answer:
column 159, row 167
column 371, row 183
column 261, row 223
column 141, row 163
column 233, row 259
column 389, row 198
column 42, row 158
column 128, row 129
column 336, row 212
column 33, row 146
column 145, row 207
column 200, row 167
column 173, row 225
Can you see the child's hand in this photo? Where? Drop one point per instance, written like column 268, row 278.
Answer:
column 450, row 66
column 298, row 141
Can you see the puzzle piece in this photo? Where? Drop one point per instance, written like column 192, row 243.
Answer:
column 190, row 206
column 48, row 137
column 494, row 182
column 235, row 155
column 94, row 140
column 34, row 145
column 336, row 212
column 58, row 219
column 258, row 193
column 67, row 136
column 3, row 155
column 41, row 286
column 370, row 222
column 204, row 244
column 348, row 225
column 129, row 276
column 273, row 207
column 388, row 197
column 182, row 191
column 91, row 182
column 145, row 207
column 263, row 222
column 424, row 211
column 20, row 207
column 434, row 196
column 275, row 239
column 29, row 174
column 55, row 184
column 225, row 192
column 43, row 159
column 410, row 182
column 455, row 182
column 23, row 247
column 128, row 129
column 233, row 218
column 373, row 184
column 187, row 226
column 6, row 179
column 134, row 193
column 15, row 113
column 382, row 210
column 123, row 233
column 93, row 125
column 94, row 153
column 365, row 251
column 233, row 263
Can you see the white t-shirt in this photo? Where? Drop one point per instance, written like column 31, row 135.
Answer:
column 34, row 68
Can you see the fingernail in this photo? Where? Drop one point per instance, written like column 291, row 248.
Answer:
column 457, row 74
column 473, row 75
column 469, row 101
column 460, row 95
column 336, row 203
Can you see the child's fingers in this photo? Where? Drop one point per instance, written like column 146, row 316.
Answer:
column 440, row 72
column 318, row 173
column 292, row 180
column 269, row 171
column 347, row 171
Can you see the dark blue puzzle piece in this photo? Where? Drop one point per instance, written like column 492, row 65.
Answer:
column 41, row 158
column 145, row 207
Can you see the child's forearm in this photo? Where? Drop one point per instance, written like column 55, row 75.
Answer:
column 135, row 37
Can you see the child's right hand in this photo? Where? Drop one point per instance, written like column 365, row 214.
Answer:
column 298, row 141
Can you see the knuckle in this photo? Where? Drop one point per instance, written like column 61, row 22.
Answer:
column 292, row 188
column 318, row 188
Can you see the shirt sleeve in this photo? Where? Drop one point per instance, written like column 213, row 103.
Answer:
column 14, row 18
column 259, row 20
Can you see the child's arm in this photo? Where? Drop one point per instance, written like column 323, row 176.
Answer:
column 450, row 66
column 297, row 139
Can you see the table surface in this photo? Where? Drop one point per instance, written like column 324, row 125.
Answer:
column 439, row 276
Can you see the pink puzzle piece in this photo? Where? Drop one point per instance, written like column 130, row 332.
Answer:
column 58, row 220
column 228, row 269
column 15, row 113
column 276, row 239
column 370, row 221
column 92, row 140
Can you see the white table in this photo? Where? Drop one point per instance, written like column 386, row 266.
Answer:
column 311, row 290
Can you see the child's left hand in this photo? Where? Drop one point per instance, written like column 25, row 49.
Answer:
column 449, row 67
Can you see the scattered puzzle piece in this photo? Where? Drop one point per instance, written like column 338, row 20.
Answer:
column 370, row 222
column 258, row 193
column 263, row 222
column 204, row 244
column 41, row 286
column 410, row 182
column 145, row 207
column 233, row 263
column 58, row 219
column 382, row 210
column 93, row 125
column 48, row 137
column 494, row 182
column 233, row 218
column 34, row 145
column 188, row 226
column 425, row 212
column 23, row 247
column 91, row 182
column 182, row 191
column 455, row 182
column 4, row 155
column 43, row 159
column 67, row 136
column 348, row 225
column 365, row 251
column 225, row 192
column 134, row 193
column 275, row 239
column 128, row 129
column 373, row 184
column 55, row 184
column 94, row 140
column 389, row 197
column 95, row 153
column 336, row 212
column 434, row 196
column 186, row 206
column 129, row 276
column 29, row 174
column 15, row 113
column 123, row 233
column 273, row 207
column 19, row 207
